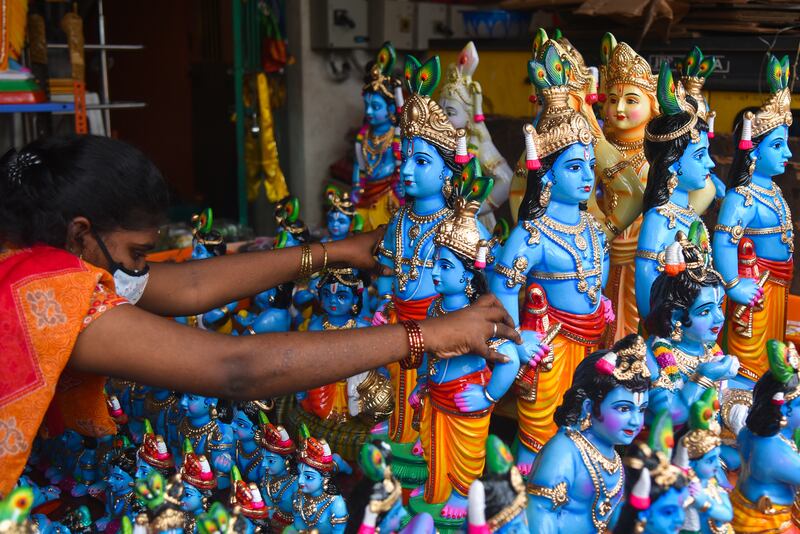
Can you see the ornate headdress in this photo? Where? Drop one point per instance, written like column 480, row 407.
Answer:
column 247, row 496
column 422, row 116
column 162, row 498
column 672, row 100
column 559, row 125
column 196, row 469
column 691, row 254
column 459, row 84
column 695, row 70
column 274, row 438
column 153, row 449
column 776, row 111
column 202, row 231
column 627, row 363
column 621, row 65
column 500, row 469
column 784, row 364
column 379, row 78
column 375, row 461
column 345, row 276
column 703, row 435
column 459, row 232
column 315, row 452
column 580, row 78
column 339, row 201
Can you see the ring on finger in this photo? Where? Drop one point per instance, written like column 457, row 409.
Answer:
column 494, row 330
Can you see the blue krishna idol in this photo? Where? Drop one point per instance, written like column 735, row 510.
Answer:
column 377, row 159
column 711, row 510
column 280, row 473
column 499, row 495
column 385, row 511
column 754, row 216
column 209, row 436
column 764, row 499
column 342, row 217
column 198, row 481
column 318, row 505
column 676, row 145
column 577, row 479
column 248, row 454
column 120, row 497
column 431, row 149
column 456, row 397
column 657, row 490
column 557, row 253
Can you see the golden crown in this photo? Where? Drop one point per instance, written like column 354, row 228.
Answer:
column 459, row 232
column 422, row 117
column 580, row 77
column 626, row 67
column 379, row 78
column 699, row 442
column 776, row 111
column 559, row 125
column 458, row 80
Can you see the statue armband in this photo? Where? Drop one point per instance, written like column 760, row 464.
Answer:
column 737, row 232
column 339, row 520
column 514, row 275
column 557, row 495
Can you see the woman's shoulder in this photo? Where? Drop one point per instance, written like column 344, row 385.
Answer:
column 44, row 256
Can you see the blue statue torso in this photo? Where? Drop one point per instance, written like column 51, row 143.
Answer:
column 771, row 467
column 280, row 491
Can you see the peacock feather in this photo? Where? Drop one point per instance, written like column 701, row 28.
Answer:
column 661, row 436
column 667, row 96
column 502, row 230
column 126, row 527
column 538, row 42
column 698, row 236
column 774, row 74
column 358, row 223
column 785, row 74
column 213, row 521
column 203, row 221
column 16, row 507
column 386, row 58
column 707, row 67
column 471, row 184
column 703, row 410
column 372, row 462
column 150, row 491
column 303, row 432
column 332, row 191
column 691, row 64
column 498, row 456
column 428, row 76
column 410, row 72
column 557, row 34
column 263, row 420
column 607, row 45
column 554, row 66
column 776, row 355
column 538, row 75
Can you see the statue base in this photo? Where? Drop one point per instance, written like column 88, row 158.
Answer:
column 344, row 438
column 410, row 469
column 417, row 505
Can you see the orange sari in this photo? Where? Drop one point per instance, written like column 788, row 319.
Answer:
column 47, row 297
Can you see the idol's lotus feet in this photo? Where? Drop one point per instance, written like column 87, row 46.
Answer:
column 417, row 450
column 416, row 492
column 455, row 507
column 380, row 428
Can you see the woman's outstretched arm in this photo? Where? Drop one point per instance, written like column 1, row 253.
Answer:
column 178, row 289
column 127, row 342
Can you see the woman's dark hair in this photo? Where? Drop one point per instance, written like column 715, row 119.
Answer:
column 670, row 293
column 499, row 492
column 765, row 417
column 531, row 207
column 628, row 515
column 662, row 154
column 739, row 171
column 283, row 295
column 587, row 383
column 53, row 180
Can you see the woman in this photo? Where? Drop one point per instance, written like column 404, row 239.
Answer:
column 78, row 216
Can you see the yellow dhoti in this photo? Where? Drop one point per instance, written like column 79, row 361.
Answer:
column 454, row 442
column 621, row 288
column 579, row 336
column 769, row 323
column 749, row 517
column 377, row 203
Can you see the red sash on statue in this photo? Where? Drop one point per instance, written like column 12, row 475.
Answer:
column 442, row 396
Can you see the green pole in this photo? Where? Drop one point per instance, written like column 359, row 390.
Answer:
column 238, row 88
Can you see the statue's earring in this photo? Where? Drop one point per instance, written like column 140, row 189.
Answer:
column 677, row 332
column 469, row 290
column 325, row 482
column 586, row 422
column 672, row 183
column 546, row 194
column 212, row 411
column 752, row 167
column 447, row 188
column 354, row 309
column 639, row 527
column 784, row 421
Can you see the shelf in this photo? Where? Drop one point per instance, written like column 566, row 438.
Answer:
column 43, row 107
column 112, row 105
column 64, row 46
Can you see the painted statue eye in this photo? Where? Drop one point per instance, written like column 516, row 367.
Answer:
column 575, row 167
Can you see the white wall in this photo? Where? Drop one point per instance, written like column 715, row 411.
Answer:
column 321, row 112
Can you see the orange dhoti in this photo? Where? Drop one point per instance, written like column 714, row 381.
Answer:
column 751, row 518
column 405, row 380
column 328, row 402
column 579, row 336
column 454, row 442
column 769, row 323
column 621, row 288
column 378, row 202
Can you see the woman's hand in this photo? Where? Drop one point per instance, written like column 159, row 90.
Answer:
column 358, row 251
column 467, row 331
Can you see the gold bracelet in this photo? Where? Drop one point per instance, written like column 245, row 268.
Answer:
column 306, row 263
column 416, row 345
column 324, row 255
column 733, row 283
column 702, row 381
column 612, row 228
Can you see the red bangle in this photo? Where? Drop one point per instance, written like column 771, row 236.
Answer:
column 416, row 345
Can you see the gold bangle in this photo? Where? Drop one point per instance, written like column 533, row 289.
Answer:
column 416, row 345
column 324, row 255
column 702, row 381
column 306, row 263
column 612, row 228
column 733, row 283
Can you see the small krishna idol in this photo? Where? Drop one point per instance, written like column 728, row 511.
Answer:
column 755, row 226
column 765, row 498
column 676, row 145
column 342, row 217
column 577, row 479
column 557, row 247
column 433, row 153
column 456, row 397
column 461, row 99
column 280, row 473
column 376, row 191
